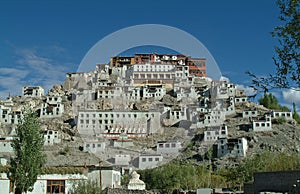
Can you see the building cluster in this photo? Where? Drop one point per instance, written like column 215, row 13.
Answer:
column 136, row 96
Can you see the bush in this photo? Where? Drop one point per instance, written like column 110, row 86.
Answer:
column 85, row 187
column 296, row 116
column 279, row 120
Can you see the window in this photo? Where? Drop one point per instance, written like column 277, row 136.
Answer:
column 150, row 159
column 143, row 159
column 55, row 186
column 167, row 145
column 161, row 145
column 156, row 159
column 173, row 145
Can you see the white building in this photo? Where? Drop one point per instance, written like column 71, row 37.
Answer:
column 213, row 118
column 151, row 72
column 222, row 89
column 164, row 147
column 32, row 91
column 240, row 99
column 51, row 137
column 146, row 161
column 123, row 141
column 156, row 91
column 173, row 115
column 111, row 177
column 263, row 124
column 122, row 159
column 46, row 184
column 94, row 146
column 62, row 183
column 10, row 115
column 235, row 147
column 213, row 133
column 111, row 124
column 229, row 107
column 52, row 107
column 6, row 145
column 281, row 114
column 250, row 113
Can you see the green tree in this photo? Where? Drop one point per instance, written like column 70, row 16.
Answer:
column 262, row 162
column 271, row 102
column 29, row 159
column 296, row 116
column 287, row 56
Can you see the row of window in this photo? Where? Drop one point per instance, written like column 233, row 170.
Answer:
column 167, row 145
column 250, row 112
column 153, row 76
column 93, row 145
column 282, row 114
column 116, row 115
column 150, row 159
column 262, row 124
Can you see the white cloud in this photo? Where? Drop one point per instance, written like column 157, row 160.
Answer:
column 249, row 91
column 11, row 81
column 291, row 95
column 222, row 78
column 31, row 69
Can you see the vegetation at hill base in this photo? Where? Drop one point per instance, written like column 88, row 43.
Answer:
column 190, row 176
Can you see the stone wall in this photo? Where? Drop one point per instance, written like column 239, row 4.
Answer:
column 280, row 181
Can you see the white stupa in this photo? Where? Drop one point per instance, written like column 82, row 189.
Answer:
column 135, row 183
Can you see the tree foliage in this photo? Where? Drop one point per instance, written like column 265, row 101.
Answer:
column 270, row 101
column 29, row 158
column 296, row 116
column 263, row 162
column 180, row 175
column 287, row 56
column 187, row 176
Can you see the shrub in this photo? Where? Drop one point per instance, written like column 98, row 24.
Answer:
column 85, row 187
column 279, row 120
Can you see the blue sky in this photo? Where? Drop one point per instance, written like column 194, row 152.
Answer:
column 42, row 40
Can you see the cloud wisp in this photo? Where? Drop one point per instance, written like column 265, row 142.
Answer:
column 291, row 96
column 31, row 68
